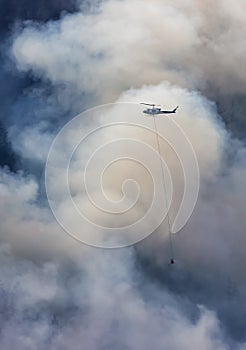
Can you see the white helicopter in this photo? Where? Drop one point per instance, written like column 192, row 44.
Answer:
column 156, row 110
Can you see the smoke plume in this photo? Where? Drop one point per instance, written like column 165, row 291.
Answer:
column 61, row 294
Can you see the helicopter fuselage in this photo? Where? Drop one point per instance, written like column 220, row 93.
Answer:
column 155, row 111
column 152, row 111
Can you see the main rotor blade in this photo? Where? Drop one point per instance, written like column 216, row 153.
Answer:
column 147, row 104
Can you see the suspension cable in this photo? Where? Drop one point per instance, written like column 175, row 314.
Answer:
column 165, row 194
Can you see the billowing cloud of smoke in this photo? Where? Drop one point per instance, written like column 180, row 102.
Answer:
column 129, row 299
column 95, row 307
column 185, row 43
column 79, row 298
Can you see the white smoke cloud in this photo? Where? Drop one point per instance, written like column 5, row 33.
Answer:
column 160, row 51
column 32, row 142
column 29, row 227
column 128, row 44
column 105, row 309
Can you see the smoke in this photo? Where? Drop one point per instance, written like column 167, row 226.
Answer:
column 67, row 295
column 193, row 44
column 102, row 309
column 186, row 44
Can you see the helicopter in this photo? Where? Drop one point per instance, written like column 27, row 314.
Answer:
column 156, row 110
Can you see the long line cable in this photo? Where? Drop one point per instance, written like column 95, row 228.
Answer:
column 165, row 194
